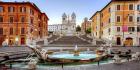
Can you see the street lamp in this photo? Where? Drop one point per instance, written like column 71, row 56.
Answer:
column 16, row 40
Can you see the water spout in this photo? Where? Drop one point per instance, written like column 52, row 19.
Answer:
column 76, row 48
column 76, row 52
column 88, row 49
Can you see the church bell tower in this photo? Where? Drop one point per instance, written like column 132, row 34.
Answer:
column 73, row 18
column 64, row 18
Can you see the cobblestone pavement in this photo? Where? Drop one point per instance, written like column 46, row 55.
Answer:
column 135, row 65
column 124, row 66
column 17, row 49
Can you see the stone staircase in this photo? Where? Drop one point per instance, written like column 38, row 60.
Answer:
column 53, row 37
column 70, row 40
column 50, row 39
column 86, row 38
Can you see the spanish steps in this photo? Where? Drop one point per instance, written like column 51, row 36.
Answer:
column 70, row 40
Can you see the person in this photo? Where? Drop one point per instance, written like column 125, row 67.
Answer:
column 62, row 66
column 128, row 54
column 4, row 43
column 98, row 62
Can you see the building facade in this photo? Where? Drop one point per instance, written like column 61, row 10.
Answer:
column 19, row 20
column 54, row 28
column 119, row 22
column 68, row 26
column 86, row 24
column 95, row 25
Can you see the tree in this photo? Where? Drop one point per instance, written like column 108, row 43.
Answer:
column 78, row 28
column 88, row 31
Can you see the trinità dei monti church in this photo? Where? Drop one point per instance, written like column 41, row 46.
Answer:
column 68, row 26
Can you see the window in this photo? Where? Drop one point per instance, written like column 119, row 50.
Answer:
column 138, row 19
column 109, row 20
column 96, row 33
column 31, row 30
column 138, row 29
column 22, row 19
column 23, row 9
column 118, row 18
column 118, row 29
column 39, row 25
column 109, row 10
column 31, row 12
column 11, row 9
column 109, row 30
column 102, row 15
column 131, row 29
column 11, row 19
column 63, row 18
column 102, row 24
column 118, row 7
column 22, row 30
column 32, row 20
column 102, row 32
column 1, row 31
column 131, row 7
column 130, row 18
column 138, row 7
column 1, row 19
column 1, row 9
column 11, row 31
column 39, row 33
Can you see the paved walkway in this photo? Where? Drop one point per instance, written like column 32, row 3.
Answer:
column 124, row 66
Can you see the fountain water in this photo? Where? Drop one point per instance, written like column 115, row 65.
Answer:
column 76, row 52
column 42, row 54
column 88, row 49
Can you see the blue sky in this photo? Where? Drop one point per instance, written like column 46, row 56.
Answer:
column 55, row 8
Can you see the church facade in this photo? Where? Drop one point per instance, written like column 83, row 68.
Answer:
column 67, row 27
column 68, row 24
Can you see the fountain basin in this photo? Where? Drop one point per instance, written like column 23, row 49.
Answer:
column 72, row 57
column 67, row 57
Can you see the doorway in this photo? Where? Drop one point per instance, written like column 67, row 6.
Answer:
column 129, row 41
column 118, row 41
column 22, row 41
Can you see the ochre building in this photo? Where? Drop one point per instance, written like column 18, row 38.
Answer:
column 118, row 22
column 19, row 20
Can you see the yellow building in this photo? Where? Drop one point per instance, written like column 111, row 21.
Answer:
column 95, row 25
column 119, row 22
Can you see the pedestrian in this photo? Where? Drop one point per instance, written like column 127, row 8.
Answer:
column 98, row 62
column 62, row 66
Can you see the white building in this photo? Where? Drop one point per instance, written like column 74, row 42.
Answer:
column 54, row 27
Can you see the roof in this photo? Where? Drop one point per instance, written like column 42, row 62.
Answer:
column 94, row 15
column 64, row 15
column 125, row 0
column 45, row 15
column 21, row 3
column 110, row 3
column 116, row 1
